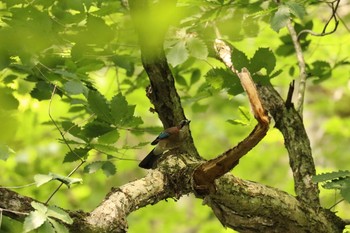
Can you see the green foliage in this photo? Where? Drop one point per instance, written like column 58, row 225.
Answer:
column 88, row 52
column 43, row 218
column 335, row 180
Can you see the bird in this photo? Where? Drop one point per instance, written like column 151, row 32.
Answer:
column 170, row 138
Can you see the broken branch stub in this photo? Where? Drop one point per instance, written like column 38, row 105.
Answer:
column 206, row 173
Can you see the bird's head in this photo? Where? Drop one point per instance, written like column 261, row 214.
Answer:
column 183, row 123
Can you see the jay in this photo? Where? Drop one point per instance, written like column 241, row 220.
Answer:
column 170, row 138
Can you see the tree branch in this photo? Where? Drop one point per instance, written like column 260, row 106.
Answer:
column 289, row 122
column 162, row 91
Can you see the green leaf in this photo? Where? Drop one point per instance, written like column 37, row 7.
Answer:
column 93, row 167
column 281, row 17
column 73, row 87
column 7, row 101
column 340, row 183
column 42, row 91
column 224, row 79
column 76, row 154
column 197, row 48
column 121, row 111
column 244, row 113
column 39, row 207
column 60, row 214
column 109, row 168
column 106, row 149
column 59, row 228
column 195, row 76
column 239, row 59
column 320, row 70
column 34, row 220
column 96, row 128
column 46, row 228
column 345, row 193
column 263, row 58
column 180, row 80
column 330, row 176
column 41, row 179
column 109, row 137
column 66, row 180
column 98, row 104
column 5, row 152
column 237, row 122
column 177, row 54
column 296, row 9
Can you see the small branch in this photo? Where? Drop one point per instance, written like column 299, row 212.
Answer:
column 334, row 6
column 206, row 173
column 302, row 68
column 289, row 102
column 65, row 141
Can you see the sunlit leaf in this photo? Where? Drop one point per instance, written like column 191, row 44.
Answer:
column 296, row 9
column 197, row 48
column 280, row 18
column 109, row 137
column 5, row 152
column 178, row 54
column 93, row 167
column 34, row 220
column 41, row 179
column 39, row 207
column 60, row 214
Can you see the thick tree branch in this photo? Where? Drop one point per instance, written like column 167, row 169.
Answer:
column 238, row 204
column 162, row 91
column 289, row 122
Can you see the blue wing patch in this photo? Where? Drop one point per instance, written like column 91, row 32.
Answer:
column 163, row 135
column 160, row 137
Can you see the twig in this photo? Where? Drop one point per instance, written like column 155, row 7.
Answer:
column 70, row 174
column 12, row 211
column 302, row 68
column 289, row 102
column 334, row 6
column 65, row 141
column 336, row 203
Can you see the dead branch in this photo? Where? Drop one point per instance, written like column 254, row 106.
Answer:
column 206, row 173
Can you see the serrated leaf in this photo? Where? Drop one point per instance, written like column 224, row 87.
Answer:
column 239, row 59
column 96, row 128
column 109, row 137
column 109, row 168
column 60, row 214
column 59, row 228
column 223, row 79
column 93, row 167
column 73, row 87
column 177, row 54
column 107, row 149
column 41, row 179
column 330, row 176
column 197, row 48
column 98, row 104
column 42, row 91
column 281, row 18
column 34, row 220
column 296, row 9
column 73, row 129
column 340, row 183
column 76, row 154
column 39, row 207
column 263, row 58
column 121, row 111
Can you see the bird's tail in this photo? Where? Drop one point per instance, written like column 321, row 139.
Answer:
column 149, row 160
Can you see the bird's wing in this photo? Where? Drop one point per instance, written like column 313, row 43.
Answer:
column 162, row 135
